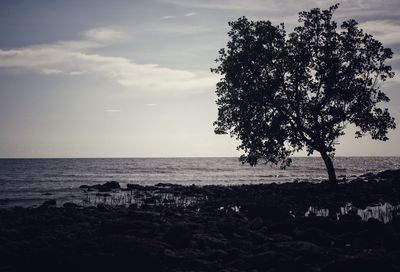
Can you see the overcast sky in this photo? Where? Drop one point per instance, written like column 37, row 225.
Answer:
column 131, row 78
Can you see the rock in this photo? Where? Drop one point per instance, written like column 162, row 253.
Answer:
column 389, row 174
column 314, row 235
column 204, row 240
column 179, row 235
column 49, row 203
column 172, row 258
column 70, row 205
column 150, row 201
column 368, row 175
column 103, row 207
column 266, row 259
column 266, row 212
column 106, row 187
column 133, row 206
column 256, row 223
column 103, row 195
column 362, row 262
column 133, row 187
column 278, row 237
column 352, row 217
column 300, row 248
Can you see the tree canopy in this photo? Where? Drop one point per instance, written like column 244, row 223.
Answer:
column 281, row 93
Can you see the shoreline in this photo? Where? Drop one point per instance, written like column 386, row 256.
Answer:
column 31, row 183
column 236, row 228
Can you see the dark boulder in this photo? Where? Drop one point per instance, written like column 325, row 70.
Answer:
column 106, row 187
column 49, row 203
column 133, row 187
column 70, row 205
column 389, row 174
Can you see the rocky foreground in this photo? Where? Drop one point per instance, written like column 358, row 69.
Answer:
column 240, row 228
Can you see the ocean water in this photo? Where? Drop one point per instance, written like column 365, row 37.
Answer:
column 25, row 182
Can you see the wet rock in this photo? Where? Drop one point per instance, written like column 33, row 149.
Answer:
column 103, row 195
column 106, row 187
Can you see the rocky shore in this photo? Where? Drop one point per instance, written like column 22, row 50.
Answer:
column 167, row 227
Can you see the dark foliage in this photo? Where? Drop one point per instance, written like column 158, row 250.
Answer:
column 281, row 93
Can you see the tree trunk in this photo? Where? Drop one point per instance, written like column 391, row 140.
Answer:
column 329, row 167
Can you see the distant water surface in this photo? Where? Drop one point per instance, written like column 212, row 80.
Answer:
column 29, row 181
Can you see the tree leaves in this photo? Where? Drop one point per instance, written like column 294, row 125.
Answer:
column 280, row 93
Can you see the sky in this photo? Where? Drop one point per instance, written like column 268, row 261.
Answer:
column 132, row 78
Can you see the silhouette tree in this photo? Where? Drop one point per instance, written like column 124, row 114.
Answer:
column 281, row 93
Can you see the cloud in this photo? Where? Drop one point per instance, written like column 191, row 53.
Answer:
column 386, row 31
column 104, row 34
column 46, row 71
column 112, row 110
column 168, row 17
column 77, row 58
column 150, row 105
column 190, row 14
column 184, row 29
column 359, row 9
column 241, row 5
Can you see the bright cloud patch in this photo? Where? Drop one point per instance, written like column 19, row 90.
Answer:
column 168, row 17
column 104, row 34
column 76, row 58
column 190, row 14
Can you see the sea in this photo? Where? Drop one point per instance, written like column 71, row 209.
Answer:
column 29, row 182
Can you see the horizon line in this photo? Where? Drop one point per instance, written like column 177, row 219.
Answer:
column 182, row 157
